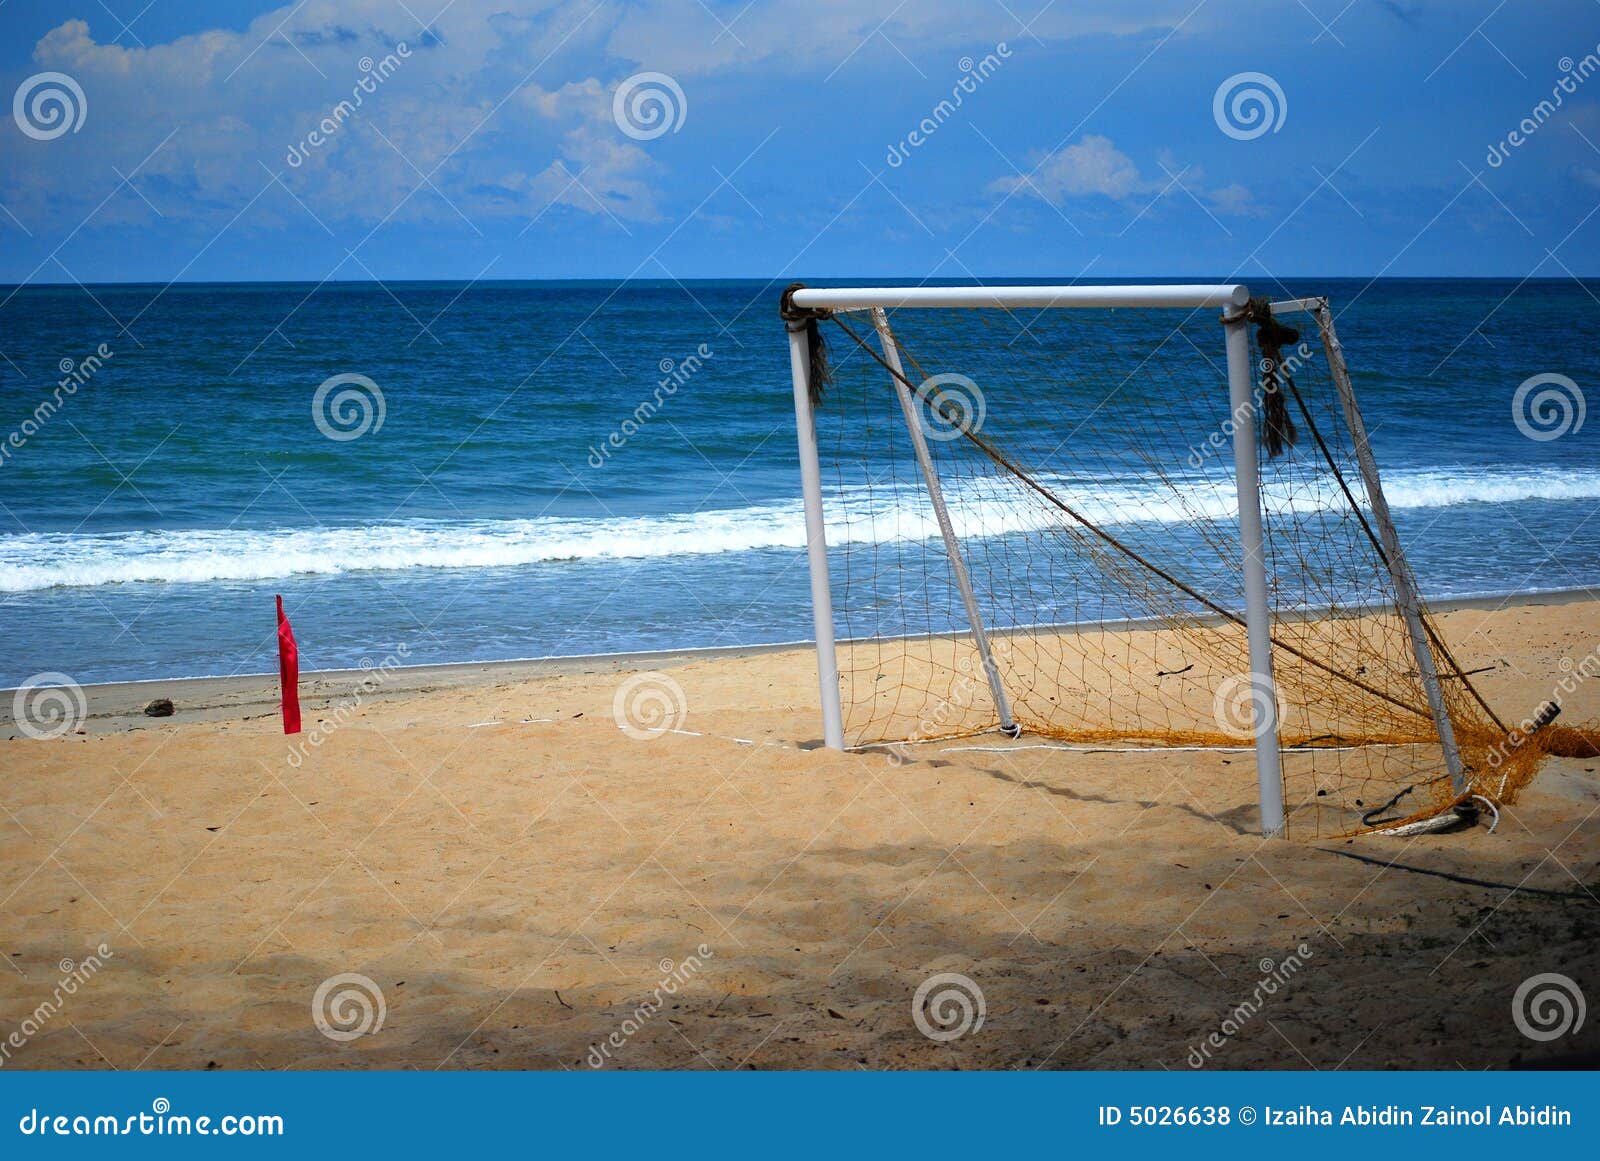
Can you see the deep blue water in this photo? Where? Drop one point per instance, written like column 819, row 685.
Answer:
column 148, row 515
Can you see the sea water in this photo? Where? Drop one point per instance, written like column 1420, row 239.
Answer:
column 504, row 470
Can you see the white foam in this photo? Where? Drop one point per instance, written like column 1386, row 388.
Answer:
column 33, row 561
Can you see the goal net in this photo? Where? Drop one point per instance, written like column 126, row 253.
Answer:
column 1033, row 523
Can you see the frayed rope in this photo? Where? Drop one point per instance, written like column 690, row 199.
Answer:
column 1278, row 433
column 799, row 318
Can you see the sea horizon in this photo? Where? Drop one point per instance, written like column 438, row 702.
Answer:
column 500, row 497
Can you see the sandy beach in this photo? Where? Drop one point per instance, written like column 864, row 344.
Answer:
column 524, row 884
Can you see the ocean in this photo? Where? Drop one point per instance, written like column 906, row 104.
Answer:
column 474, row 483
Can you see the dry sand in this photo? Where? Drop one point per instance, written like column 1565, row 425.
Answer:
column 519, row 891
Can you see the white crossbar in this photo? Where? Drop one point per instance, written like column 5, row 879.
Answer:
column 892, row 297
column 1289, row 306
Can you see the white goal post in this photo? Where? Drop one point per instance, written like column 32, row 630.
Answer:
column 1233, row 301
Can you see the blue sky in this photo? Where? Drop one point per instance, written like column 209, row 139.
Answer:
column 1087, row 140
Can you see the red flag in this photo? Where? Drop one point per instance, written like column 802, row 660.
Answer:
column 288, row 673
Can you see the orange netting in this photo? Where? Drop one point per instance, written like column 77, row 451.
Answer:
column 1086, row 461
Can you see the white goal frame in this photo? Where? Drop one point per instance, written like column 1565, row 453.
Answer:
column 1232, row 299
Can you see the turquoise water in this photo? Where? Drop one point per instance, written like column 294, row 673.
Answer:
column 508, row 504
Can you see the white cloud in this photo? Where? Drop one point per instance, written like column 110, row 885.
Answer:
column 239, row 105
column 1233, row 200
column 686, row 37
column 599, row 170
column 467, row 110
column 1094, row 167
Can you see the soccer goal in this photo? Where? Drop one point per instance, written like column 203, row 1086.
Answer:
column 1122, row 517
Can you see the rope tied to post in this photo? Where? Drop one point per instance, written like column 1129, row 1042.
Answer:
column 798, row 319
column 1278, row 432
